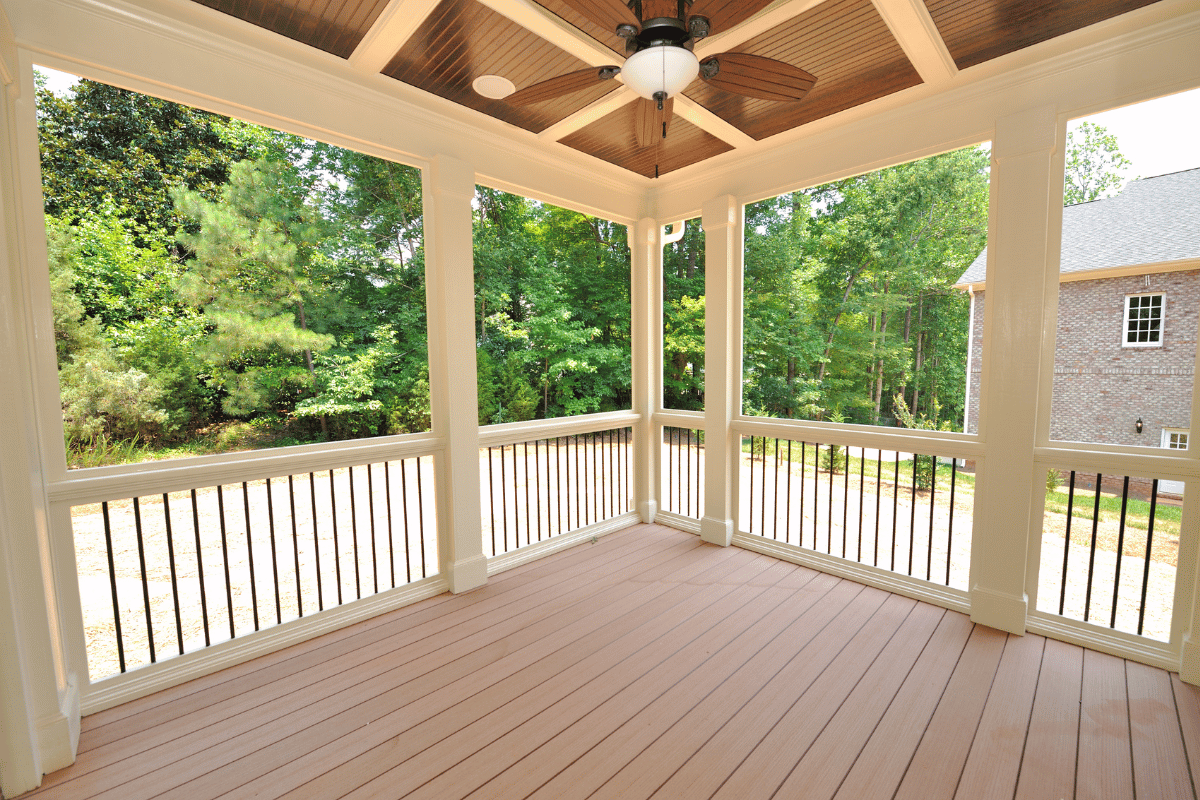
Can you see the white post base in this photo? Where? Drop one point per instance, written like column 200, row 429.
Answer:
column 1000, row 611
column 1189, row 661
column 468, row 574
column 648, row 510
column 717, row 531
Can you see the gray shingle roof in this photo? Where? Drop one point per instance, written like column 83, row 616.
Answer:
column 1151, row 220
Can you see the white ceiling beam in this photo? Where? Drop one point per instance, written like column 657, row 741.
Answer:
column 701, row 117
column 399, row 21
column 910, row 22
column 589, row 114
column 770, row 17
column 534, row 18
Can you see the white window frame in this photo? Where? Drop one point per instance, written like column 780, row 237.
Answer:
column 1167, row 433
column 1162, row 319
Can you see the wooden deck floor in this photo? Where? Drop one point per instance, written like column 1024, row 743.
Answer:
column 652, row 665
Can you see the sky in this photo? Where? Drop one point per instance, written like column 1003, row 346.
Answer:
column 1158, row 136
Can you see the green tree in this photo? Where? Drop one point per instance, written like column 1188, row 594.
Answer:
column 1094, row 164
column 256, row 276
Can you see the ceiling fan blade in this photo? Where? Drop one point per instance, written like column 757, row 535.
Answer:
column 563, row 84
column 724, row 14
column 651, row 125
column 606, row 13
column 756, row 76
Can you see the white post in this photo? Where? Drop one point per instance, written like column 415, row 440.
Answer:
column 722, row 365
column 449, row 187
column 39, row 693
column 1023, row 256
column 645, row 246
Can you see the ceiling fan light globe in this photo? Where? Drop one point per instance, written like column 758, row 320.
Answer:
column 661, row 68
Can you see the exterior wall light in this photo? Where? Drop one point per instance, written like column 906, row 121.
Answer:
column 1138, row 425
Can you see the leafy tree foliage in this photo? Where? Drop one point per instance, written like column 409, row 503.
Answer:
column 1094, row 164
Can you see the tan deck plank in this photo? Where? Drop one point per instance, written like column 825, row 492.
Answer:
column 1160, row 766
column 1187, row 704
column 307, row 709
column 712, row 765
column 876, row 771
column 1104, row 749
column 659, row 743
column 803, row 729
column 539, row 576
column 749, row 623
column 426, row 647
column 1052, row 743
column 634, row 726
column 526, row 695
column 995, row 759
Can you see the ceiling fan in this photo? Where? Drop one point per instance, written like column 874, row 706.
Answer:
column 659, row 60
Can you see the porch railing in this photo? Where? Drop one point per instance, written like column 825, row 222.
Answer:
column 682, row 460
column 908, row 513
column 568, row 476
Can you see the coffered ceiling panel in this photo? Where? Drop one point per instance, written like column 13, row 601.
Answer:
column 613, row 139
column 980, row 30
column 844, row 43
column 462, row 40
column 335, row 26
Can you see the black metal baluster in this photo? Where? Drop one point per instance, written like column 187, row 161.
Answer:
column 595, row 484
column 354, row 535
column 295, row 544
column 1062, row 595
column 174, row 579
column 387, row 493
column 503, row 499
column 274, row 554
column 763, row 505
column 112, row 580
column 1087, row 600
column 516, row 502
column 895, row 507
column 580, row 499
column 137, row 526
column 225, row 558
column 950, row 522
column 1120, row 551
column 787, row 506
column 932, row 490
column 878, row 495
column 371, row 515
column 1149, row 545
column 845, row 499
column 816, row 491
column 688, row 456
column 528, row 519
column 250, row 552
column 200, row 568
column 404, row 505
column 537, row 486
column 800, row 514
column 563, row 499
column 829, row 519
column 337, row 548
column 912, row 514
column 312, row 488
column 670, row 432
column 699, row 475
column 751, row 493
column 421, row 518
column 492, row 500
column 613, row 479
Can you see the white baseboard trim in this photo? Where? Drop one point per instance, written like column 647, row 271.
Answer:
column 532, row 552
column 953, row 599
column 678, row 521
column 154, row 678
column 1106, row 640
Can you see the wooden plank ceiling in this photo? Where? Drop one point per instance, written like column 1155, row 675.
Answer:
column 846, row 44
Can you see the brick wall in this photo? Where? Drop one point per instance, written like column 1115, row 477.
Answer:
column 1102, row 388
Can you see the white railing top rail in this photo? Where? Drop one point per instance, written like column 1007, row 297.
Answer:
column 534, row 429
column 1170, row 464
column 156, row 477
column 906, row 440
column 680, row 419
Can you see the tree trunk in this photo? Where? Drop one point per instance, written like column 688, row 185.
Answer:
column 920, row 341
column 879, row 378
column 308, row 360
column 834, row 324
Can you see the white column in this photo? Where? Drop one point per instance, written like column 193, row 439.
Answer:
column 722, row 365
column 39, row 696
column 1025, row 226
column 645, row 246
column 449, row 187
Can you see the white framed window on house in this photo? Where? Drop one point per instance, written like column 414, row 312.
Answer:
column 1175, row 439
column 1143, row 320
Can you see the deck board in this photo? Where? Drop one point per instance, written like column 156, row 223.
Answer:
column 647, row 665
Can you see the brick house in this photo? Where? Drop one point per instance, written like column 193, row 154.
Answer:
column 1128, row 303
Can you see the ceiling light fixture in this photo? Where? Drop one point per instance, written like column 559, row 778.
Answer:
column 659, row 71
column 493, row 87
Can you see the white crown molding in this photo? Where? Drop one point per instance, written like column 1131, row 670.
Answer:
column 207, row 59
column 395, row 25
